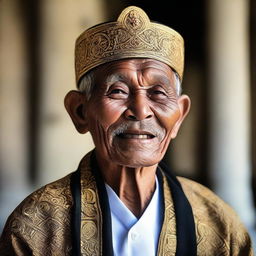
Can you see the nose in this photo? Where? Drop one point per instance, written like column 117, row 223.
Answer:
column 138, row 108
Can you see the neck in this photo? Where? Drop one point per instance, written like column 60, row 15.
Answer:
column 134, row 186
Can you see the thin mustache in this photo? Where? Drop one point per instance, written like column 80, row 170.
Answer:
column 149, row 128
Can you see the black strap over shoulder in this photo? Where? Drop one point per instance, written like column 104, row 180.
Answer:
column 107, row 246
column 76, row 213
column 185, row 225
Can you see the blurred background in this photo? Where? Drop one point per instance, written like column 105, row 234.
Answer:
column 217, row 143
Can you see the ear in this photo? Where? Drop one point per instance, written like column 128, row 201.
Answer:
column 75, row 104
column 184, row 107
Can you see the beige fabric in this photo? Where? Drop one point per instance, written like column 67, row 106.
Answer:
column 40, row 225
column 218, row 228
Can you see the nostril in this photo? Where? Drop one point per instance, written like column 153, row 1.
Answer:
column 138, row 114
column 131, row 117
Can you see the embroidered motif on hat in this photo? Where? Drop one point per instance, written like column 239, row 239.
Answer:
column 133, row 35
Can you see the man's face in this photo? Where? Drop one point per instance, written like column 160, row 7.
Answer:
column 132, row 112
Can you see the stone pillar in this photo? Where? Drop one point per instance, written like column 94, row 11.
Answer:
column 13, row 97
column 229, row 105
column 60, row 145
column 253, row 87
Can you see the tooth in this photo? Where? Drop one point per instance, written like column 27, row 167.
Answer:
column 134, row 136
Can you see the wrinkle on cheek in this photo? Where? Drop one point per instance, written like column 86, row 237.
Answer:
column 112, row 108
column 102, row 139
column 165, row 117
column 170, row 105
column 165, row 106
column 109, row 112
column 166, row 142
column 169, row 123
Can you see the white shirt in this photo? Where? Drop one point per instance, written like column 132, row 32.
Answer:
column 132, row 236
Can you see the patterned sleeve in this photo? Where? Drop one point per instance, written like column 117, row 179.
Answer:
column 11, row 244
column 240, row 242
column 40, row 225
column 13, row 240
column 218, row 228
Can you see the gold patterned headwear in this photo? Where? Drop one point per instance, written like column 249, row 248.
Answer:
column 131, row 36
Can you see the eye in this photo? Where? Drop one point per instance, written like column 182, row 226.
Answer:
column 157, row 92
column 117, row 93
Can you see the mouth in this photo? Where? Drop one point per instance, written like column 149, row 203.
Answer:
column 141, row 135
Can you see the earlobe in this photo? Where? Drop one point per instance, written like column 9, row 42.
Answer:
column 75, row 105
column 184, row 107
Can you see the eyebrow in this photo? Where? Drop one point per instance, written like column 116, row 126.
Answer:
column 114, row 78
column 163, row 80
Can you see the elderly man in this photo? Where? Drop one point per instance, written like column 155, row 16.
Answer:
column 122, row 200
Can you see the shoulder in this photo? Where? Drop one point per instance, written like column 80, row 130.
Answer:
column 217, row 224
column 200, row 196
column 46, row 200
column 43, row 218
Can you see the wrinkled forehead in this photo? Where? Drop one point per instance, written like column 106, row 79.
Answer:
column 121, row 69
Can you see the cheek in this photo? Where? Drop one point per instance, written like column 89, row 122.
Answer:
column 167, row 117
column 103, row 114
column 169, row 122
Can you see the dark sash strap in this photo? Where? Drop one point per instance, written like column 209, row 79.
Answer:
column 185, row 226
column 107, row 247
column 76, row 213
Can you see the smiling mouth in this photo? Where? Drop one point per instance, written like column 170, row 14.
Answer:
column 135, row 136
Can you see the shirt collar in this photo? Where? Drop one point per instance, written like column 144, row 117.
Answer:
column 119, row 209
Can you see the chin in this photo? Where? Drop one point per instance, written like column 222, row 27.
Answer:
column 137, row 159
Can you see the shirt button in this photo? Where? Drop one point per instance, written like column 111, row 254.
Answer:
column 134, row 236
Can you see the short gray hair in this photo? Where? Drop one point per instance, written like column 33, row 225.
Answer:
column 177, row 83
column 86, row 84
